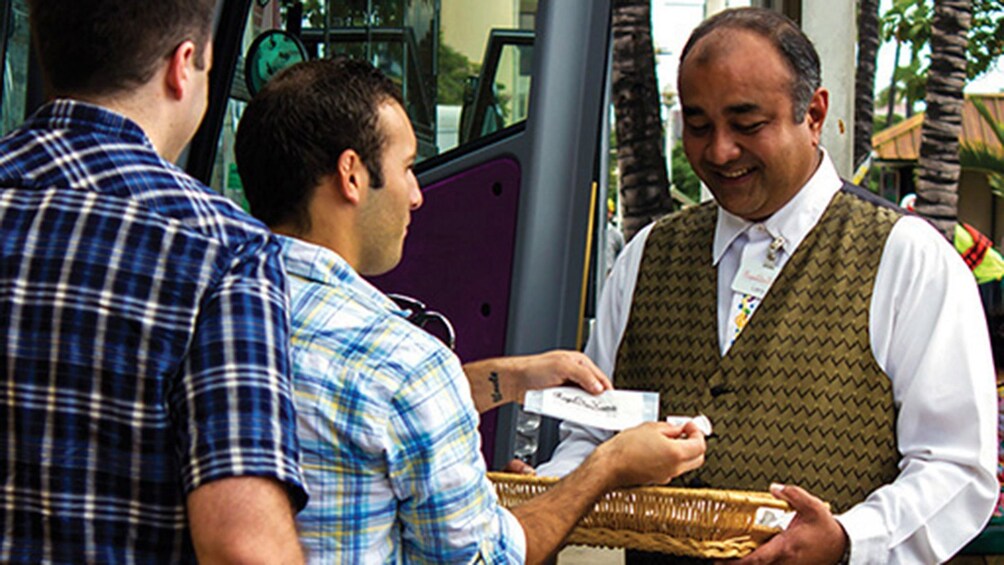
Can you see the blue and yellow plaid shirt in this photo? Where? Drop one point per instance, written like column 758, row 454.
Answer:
column 388, row 430
column 144, row 349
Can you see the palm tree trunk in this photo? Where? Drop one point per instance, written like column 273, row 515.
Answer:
column 644, row 183
column 864, row 80
column 938, row 179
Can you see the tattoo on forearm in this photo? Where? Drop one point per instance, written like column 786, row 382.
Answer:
column 497, row 392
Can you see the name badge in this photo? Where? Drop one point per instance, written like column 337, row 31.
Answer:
column 754, row 278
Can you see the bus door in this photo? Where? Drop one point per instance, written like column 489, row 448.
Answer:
column 507, row 100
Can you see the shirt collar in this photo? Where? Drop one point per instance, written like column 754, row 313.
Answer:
column 793, row 221
column 64, row 113
column 324, row 266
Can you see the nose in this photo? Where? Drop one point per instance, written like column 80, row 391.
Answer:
column 416, row 194
column 722, row 148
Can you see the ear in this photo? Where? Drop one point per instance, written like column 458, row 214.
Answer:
column 816, row 113
column 180, row 66
column 353, row 180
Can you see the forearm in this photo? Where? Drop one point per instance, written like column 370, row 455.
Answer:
column 549, row 518
column 926, row 515
column 506, row 379
column 494, row 382
column 243, row 520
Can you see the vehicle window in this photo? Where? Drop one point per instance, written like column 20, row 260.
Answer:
column 512, row 83
column 15, row 46
column 436, row 50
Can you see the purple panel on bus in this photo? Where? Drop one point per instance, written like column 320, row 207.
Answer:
column 458, row 260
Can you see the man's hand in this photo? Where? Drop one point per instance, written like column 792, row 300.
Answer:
column 520, row 466
column 650, row 453
column 653, row 453
column 506, row 379
column 813, row 536
column 556, row 368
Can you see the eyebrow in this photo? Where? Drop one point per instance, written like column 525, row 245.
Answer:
column 692, row 111
column 744, row 108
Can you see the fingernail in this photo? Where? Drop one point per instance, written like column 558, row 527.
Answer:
column 776, row 487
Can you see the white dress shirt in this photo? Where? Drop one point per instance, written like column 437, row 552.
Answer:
column 927, row 332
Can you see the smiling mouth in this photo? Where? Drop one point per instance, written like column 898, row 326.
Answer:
column 737, row 173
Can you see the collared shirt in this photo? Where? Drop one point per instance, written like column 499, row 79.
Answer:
column 144, row 348
column 388, row 430
column 927, row 332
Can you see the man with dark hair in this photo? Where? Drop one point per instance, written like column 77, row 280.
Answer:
column 147, row 413
column 387, row 422
column 835, row 343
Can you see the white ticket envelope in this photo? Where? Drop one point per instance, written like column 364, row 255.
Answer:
column 613, row 410
column 701, row 421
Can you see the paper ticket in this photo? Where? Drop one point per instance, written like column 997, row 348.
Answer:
column 613, row 410
column 773, row 517
column 701, row 421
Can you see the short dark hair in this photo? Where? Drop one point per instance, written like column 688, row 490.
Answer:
column 791, row 43
column 101, row 47
column 293, row 131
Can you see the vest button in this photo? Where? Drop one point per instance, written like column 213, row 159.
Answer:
column 719, row 390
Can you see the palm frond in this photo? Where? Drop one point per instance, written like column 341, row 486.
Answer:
column 997, row 128
column 978, row 156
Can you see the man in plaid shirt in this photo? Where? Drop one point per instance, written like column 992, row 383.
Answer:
column 145, row 405
column 386, row 418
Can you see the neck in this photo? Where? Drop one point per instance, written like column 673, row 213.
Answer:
column 335, row 240
column 150, row 113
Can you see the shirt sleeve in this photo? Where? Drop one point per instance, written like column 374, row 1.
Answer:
column 232, row 405
column 578, row 441
column 447, row 505
column 929, row 335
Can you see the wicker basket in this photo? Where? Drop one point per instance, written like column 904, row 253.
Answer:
column 713, row 524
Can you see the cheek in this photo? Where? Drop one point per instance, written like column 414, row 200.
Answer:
column 691, row 148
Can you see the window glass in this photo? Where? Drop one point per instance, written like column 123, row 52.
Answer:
column 434, row 49
column 16, row 47
column 510, row 89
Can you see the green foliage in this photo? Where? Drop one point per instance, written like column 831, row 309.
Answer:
column 879, row 122
column 909, row 21
column 353, row 13
column 684, row 178
column 454, row 70
column 979, row 156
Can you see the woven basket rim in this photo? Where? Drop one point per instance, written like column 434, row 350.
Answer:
column 707, row 523
column 760, row 498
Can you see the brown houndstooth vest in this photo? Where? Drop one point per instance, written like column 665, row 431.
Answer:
column 799, row 398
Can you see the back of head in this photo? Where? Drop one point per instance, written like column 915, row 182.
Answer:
column 791, row 43
column 292, row 133
column 96, row 48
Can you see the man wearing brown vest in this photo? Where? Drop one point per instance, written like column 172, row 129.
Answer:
column 834, row 343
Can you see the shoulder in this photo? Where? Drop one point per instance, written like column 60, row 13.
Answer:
column 334, row 329
column 866, row 203
column 915, row 244
column 174, row 194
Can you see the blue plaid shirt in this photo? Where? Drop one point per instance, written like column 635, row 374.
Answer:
column 388, row 430
column 143, row 351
